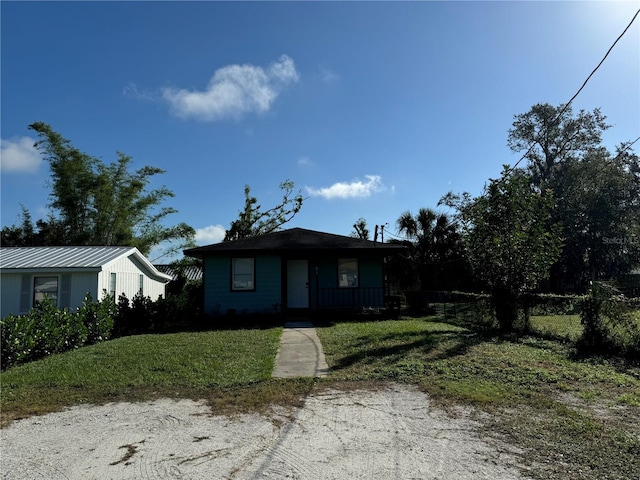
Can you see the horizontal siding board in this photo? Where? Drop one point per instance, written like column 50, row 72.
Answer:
column 323, row 284
column 220, row 299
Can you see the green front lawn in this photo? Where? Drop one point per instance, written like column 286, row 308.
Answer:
column 217, row 366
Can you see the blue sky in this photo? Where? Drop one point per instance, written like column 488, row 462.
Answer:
column 371, row 108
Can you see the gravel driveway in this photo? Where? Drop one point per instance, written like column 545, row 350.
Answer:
column 390, row 433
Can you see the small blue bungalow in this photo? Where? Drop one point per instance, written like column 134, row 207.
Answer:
column 295, row 270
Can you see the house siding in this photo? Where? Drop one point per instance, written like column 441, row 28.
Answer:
column 10, row 288
column 17, row 287
column 128, row 272
column 17, row 290
column 220, row 299
column 369, row 293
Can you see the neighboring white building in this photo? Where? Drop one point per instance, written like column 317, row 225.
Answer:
column 67, row 274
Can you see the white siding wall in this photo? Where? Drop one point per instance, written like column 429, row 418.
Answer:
column 81, row 283
column 127, row 273
column 128, row 280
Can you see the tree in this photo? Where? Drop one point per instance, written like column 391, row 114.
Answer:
column 510, row 239
column 596, row 193
column 552, row 135
column 435, row 255
column 252, row 221
column 93, row 203
column 360, row 229
column 598, row 205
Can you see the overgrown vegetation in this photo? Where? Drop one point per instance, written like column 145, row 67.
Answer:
column 611, row 323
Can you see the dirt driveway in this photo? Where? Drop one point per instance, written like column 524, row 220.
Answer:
column 391, row 433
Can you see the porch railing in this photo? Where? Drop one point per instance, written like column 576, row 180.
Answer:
column 350, row 298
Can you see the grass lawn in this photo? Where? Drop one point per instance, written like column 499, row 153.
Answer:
column 575, row 418
column 572, row 418
column 557, row 326
column 231, row 369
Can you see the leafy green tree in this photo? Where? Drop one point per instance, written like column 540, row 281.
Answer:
column 597, row 193
column 252, row 221
column 94, row 203
column 598, row 205
column 510, row 240
column 550, row 136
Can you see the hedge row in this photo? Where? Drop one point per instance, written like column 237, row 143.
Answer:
column 45, row 329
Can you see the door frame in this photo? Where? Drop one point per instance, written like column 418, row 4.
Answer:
column 301, row 301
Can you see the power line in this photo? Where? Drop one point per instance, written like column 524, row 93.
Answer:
column 566, row 106
column 625, row 147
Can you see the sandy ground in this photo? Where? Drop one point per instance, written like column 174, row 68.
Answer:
column 392, row 433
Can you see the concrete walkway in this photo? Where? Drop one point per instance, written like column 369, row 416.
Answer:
column 300, row 353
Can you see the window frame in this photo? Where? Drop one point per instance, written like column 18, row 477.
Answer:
column 233, row 274
column 113, row 284
column 356, row 275
column 55, row 299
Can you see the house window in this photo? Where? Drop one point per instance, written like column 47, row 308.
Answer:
column 112, row 285
column 242, row 274
column 141, row 284
column 45, row 287
column 347, row 272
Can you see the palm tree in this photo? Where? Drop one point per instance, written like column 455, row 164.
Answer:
column 436, row 252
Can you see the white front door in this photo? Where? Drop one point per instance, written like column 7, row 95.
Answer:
column 297, row 283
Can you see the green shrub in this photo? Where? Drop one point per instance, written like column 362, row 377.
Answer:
column 611, row 323
column 46, row 329
column 134, row 317
column 551, row 304
column 98, row 318
column 17, row 340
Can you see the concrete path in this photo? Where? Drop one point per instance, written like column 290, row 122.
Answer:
column 300, row 353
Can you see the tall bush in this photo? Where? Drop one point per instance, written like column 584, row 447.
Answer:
column 98, row 318
column 611, row 323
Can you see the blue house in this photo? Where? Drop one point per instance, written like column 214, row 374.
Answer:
column 293, row 270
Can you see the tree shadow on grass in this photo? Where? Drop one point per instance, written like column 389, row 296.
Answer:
column 391, row 348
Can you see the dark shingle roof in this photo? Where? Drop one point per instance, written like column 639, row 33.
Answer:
column 294, row 240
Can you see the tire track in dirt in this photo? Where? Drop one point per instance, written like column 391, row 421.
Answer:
column 392, row 433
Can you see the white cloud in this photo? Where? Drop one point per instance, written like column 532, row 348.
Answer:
column 233, row 91
column 19, row 155
column 210, row 234
column 355, row 189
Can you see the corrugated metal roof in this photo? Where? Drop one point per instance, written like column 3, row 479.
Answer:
column 59, row 257
column 190, row 272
